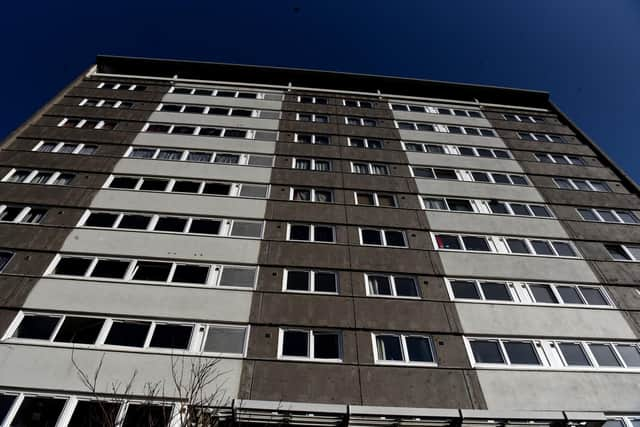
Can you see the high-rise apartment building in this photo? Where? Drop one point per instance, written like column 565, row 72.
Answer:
column 336, row 249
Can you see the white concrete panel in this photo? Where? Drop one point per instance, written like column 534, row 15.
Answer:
column 451, row 138
column 23, row 366
column 562, row 391
column 479, row 190
column 222, row 101
column 187, row 247
column 214, row 120
column 192, row 170
column 205, row 143
column 543, row 321
column 495, row 224
column 442, row 118
column 131, row 299
column 522, row 267
column 463, row 162
column 157, row 202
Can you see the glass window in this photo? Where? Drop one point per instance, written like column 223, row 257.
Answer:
column 627, row 217
column 323, row 234
column 563, row 249
column 298, row 280
column 543, row 294
column 149, row 184
column 445, row 241
column 386, row 200
column 110, row 269
column 189, row 273
column 617, row 252
column 325, row 282
column 600, row 186
column 465, row 289
column 38, row 411
column 498, row 207
column 123, row 182
column 563, row 183
column 196, row 156
column 379, row 285
column 445, row 174
column 495, row 291
column 371, row 237
column 295, row 343
column 89, row 413
column 300, row 232
column 539, row 210
column 326, row 345
column 433, row 203
column 604, row 354
column 169, row 223
column 146, row 415
column 70, row 266
column 389, row 347
column 134, row 222
column 406, row 287
column 171, row 336
column 225, row 339
column 466, row 151
column 33, row 216
column 473, row 243
column 518, row 180
column 486, row 351
column 423, row 172
column 499, row 178
column 394, row 238
column 574, row 354
column 37, row 327
column 460, row 205
column 128, row 333
column 521, row 353
column 152, row 271
column 480, row 176
column 593, row 296
column 419, row 349
column 569, row 295
column 630, row 354
column 607, row 216
column 542, row 247
column 365, row 199
column 518, row 246
column 588, row 215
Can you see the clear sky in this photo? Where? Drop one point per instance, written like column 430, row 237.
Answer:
column 585, row 52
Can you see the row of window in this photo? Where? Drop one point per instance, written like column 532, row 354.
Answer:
column 208, row 131
column 540, row 137
column 561, row 159
column 28, row 409
column 225, row 93
column 121, row 86
column 87, row 123
column 168, row 272
column 199, row 156
column 619, row 252
column 217, row 111
column 556, row 354
column 458, row 150
column 436, row 110
column 170, row 185
column 434, row 127
column 608, row 215
column 172, row 224
column 105, row 103
column 65, row 147
column 34, row 176
column 142, row 334
column 22, row 214
column 504, row 245
column 466, row 175
column 496, row 207
column 523, row 118
column 527, row 293
column 355, row 103
column 581, row 184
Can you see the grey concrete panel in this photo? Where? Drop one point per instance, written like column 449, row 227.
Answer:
column 450, row 138
column 566, row 391
column 408, row 315
column 603, row 232
column 615, row 272
column 205, row 143
column 130, row 299
column 191, row 170
column 543, row 321
column 516, row 267
column 147, row 201
column 479, row 190
column 214, row 120
column 324, row 311
column 385, row 217
column 408, row 261
column 464, row 162
column 25, row 367
column 495, row 224
column 163, row 245
column 295, row 254
column 570, row 171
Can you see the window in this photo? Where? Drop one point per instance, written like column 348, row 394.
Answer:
column 380, row 237
column 308, row 117
column 523, row 118
column 375, row 199
column 312, row 138
column 435, row 110
column 495, row 207
column 5, row 257
column 504, row 245
column 311, row 233
column 403, row 349
column 38, row 177
column 121, row 86
column 541, row 137
column 64, row 147
column 608, row 215
column 311, row 195
column 306, row 99
column 560, row 158
column 463, row 175
column 370, row 168
column 209, row 131
column 365, row 143
column 480, row 290
column 310, row 345
column 504, row 352
column 581, row 184
column 354, row 103
column 22, row 214
column 445, row 128
column 199, row 156
column 457, row 150
column 105, row 103
column 361, row 121
column 391, row 286
column 312, row 164
column 619, row 252
column 87, row 124
column 310, row 281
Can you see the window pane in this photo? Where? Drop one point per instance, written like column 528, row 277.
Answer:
column 217, row 188
column 33, row 216
column 323, row 234
column 460, row 205
column 238, row 277
column 135, row 222
column 600, row 186
column 379, row 285
column 486, row 352
column 371, row 237
column 445, row 241
column 326, row 282
column 326, row 345
column 604, row 354
column 540, row 210
column 593, row 296
column 389, row 347
column 406, row 287
column 301, row 195
column 38, row 411
column 147, row 415
column 464, row 289
column 10, row 213
column 149, row 184
column 152, row 271
column 171, row 223
column 518, row 246
column 189, row 273
column 222, row 339
column 445, row 174
column 36, row 327
column 419, row 349
column 466, row 151
column 199, row 157
column 387, row 201
column 521, row 353
column 186, row 187
column 607, row 216
column 142, row 153
column 499, row 178
column 563, row 183
column 82, row 330
column 480, row 176
column 542, row 247
column 130, row 334
column 495, row 291
column 423, row 172
column 295, row 343
column 569, row 295
column 588, row 215
column 563, row 249
column 73, row 266
column 498, row 207
column 519, row 209
column 617, row 253
column 574, row 354
column 204, row 226
column 298, row 280
column 246, row 229
column 582, row 184
column 473, row 243
column 543, row 294
column 93, row 414
column 431, row 203
column 627, row 217
column 171, row 336
column 365, row 199
column 394, row 238
column 110, row 269
column 630, row 354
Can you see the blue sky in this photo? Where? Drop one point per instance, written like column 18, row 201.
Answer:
column 585, row 52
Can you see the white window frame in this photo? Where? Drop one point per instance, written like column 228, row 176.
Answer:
column 244, row 159
column 312, row 232
column 365, row 141
column 536, row 345
column 34, row 172
column 312, row 164
column 376, row 200
column 482, row 207
column 101, row 102
column 361, row 121
column 206, row 108
column 551, row 158
column 405, row 352
column 576, row 188
column 313, row 99
column 392, row 285
column 312, row 191
column 522, row 118
column 310, row 345
column 60, row 144
column 313, row 117
column 192, row 89
column 383, row 239
column 370, row 168
column 625, row 249
column 118, row 86
column 312, row 281
column 358, row 102
column 296, row 138
column 22, row 214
